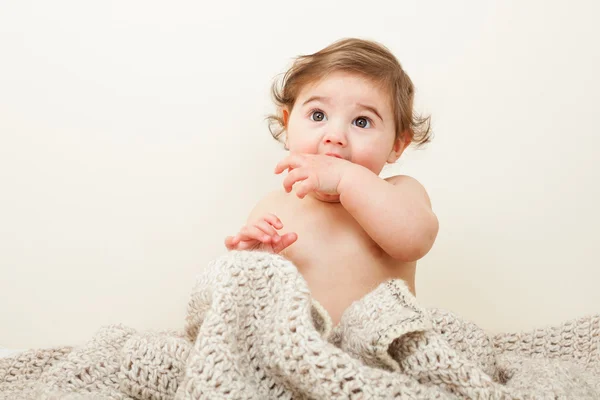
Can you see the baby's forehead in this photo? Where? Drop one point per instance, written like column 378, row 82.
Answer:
column 348, row 87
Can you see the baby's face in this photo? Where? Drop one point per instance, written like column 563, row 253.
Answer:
column 346, row 115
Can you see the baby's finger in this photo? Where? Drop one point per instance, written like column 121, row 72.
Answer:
column 231, row 241
column 274, row 221
column 293, row 177
column 286, row 240
column 292, row 161
column 250, row 232
column 266, row 228
column 305, row 187
column 248, row 245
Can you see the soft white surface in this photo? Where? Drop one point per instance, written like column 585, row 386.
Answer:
column 132, row 142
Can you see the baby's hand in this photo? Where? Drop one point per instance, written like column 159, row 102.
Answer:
column 313, row 173
column 261, row 235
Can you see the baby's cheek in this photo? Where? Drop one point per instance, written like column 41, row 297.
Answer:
column 303, row 142
column 301, row 147
column 370, row 160
column 363, row 158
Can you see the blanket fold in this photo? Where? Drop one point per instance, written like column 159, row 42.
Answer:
column 252, row 331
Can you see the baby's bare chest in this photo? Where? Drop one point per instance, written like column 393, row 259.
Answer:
column 329, row 235
column 335, row 255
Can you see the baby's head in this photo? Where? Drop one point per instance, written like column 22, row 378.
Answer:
column 351, row 99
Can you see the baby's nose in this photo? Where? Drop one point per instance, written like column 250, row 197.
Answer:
column 336, row 138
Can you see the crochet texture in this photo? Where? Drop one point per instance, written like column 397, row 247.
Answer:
column 252, row 331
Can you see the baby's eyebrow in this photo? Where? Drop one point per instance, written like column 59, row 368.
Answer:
column 322, row 99
column 370, row 108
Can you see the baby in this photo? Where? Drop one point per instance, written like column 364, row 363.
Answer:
column 344, row 112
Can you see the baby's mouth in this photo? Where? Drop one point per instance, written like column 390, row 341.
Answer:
column 333, row 155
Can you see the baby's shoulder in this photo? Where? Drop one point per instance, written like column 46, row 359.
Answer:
column 269, row 203
column 408, row 183
column 399, row 179
column 273, row 198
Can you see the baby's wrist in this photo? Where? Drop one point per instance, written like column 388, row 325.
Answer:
column 352, row 176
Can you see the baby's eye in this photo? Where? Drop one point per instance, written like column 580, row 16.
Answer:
column 362, row 122
column 317, row 116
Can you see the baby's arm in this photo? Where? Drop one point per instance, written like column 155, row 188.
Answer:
column 395, row 212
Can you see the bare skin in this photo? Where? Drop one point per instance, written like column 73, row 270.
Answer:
column 337, row 258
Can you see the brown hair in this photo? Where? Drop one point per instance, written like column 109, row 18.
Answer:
column 363, row 57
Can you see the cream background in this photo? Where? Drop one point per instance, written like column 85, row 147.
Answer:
column 132, row 142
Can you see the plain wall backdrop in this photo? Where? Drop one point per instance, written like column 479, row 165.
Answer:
column 133, row 140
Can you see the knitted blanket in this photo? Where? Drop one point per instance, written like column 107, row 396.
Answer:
column 252, row 331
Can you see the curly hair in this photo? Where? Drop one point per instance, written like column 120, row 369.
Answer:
column 363, row 57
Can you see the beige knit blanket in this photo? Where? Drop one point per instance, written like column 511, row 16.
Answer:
column 253, row 332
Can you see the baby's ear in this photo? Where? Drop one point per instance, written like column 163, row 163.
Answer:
column 400, row 144
column 285, row 116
